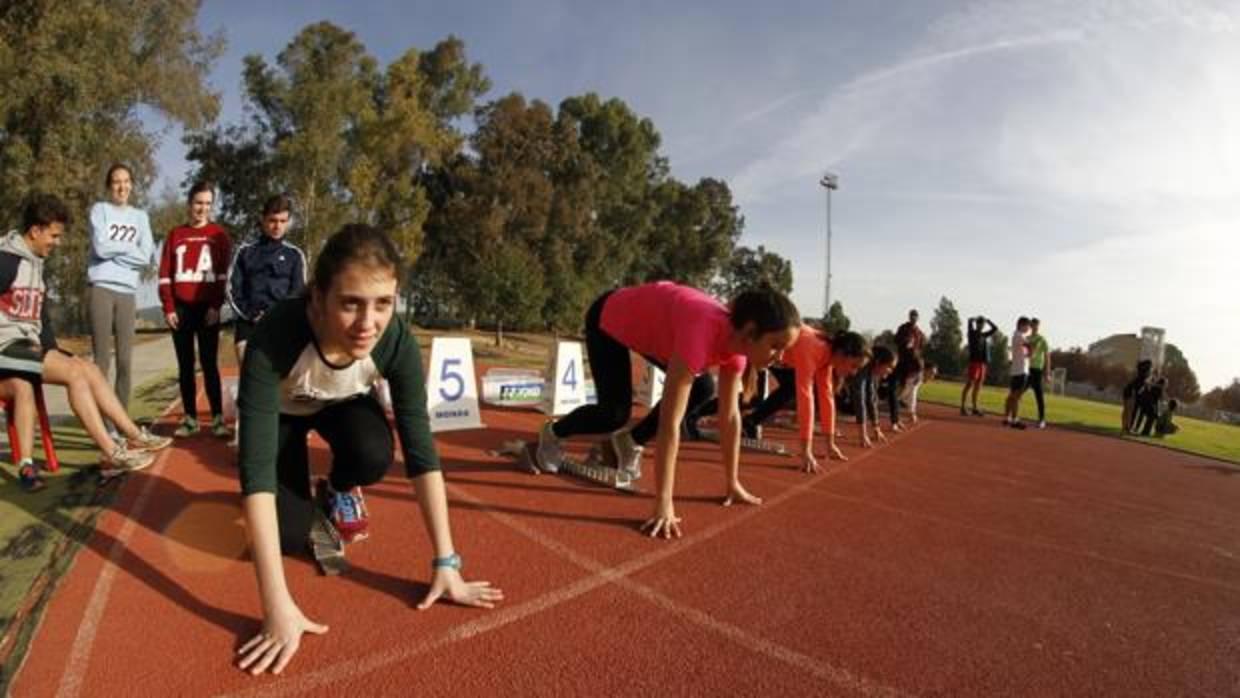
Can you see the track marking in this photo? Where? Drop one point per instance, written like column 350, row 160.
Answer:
column 79, row 655
column 603, row 574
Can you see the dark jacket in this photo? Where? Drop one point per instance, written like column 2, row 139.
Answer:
column 264, row 272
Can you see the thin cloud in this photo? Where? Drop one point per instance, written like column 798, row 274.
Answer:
column 771, row 107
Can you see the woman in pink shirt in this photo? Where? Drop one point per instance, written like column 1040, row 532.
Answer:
column 685, row 332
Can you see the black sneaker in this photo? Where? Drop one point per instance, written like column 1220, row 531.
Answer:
column 30, row 477
column 748, row 429
column 1017, row 425
column 978, row 413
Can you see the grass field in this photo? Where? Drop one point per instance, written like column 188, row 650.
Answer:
column 41, row 532
column 1211, row 439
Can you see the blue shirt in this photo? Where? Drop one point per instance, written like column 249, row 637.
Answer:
column 121, row 245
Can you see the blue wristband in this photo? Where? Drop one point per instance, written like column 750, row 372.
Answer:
column 453, row 561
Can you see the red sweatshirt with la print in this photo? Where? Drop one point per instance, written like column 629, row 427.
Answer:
column 193, row 268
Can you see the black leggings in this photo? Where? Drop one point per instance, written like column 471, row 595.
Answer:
column 1035, row 383
column 612, row 369
column 783, row 395
column 191, row 325
column 361, row 442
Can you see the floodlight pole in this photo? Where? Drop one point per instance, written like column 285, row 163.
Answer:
column 830, row 181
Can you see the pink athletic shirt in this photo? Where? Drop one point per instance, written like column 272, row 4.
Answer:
column 810, row 356
column 664, row 320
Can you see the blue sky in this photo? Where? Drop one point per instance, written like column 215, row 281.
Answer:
column 1078, row 161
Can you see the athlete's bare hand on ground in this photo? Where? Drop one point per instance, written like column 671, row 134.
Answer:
column 865, row 441
column 809, row 464
column 878, row 434
column 449, row 584
column 665, row 521
column 834, row 453
column 741, row 495
column 278, row 642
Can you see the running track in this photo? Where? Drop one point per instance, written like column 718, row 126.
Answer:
column 962, row 559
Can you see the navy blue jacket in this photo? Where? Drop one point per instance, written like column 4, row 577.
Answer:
column 264, row 272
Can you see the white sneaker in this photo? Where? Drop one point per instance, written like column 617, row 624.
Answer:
column 146, row 441
column 1042, row 424
column 628, row 453
column 124, row 460
column 549, row 453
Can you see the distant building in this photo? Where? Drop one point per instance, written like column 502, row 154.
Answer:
column 1118, row 350
column 1126, row 349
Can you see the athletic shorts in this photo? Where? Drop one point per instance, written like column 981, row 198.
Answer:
column 977, row 370
column 1020, row 382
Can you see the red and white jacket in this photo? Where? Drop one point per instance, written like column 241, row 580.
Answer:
column 193, row 268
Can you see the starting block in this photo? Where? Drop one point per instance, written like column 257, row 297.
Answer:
column 748, row 444
column 594, row 469
column 326, row 545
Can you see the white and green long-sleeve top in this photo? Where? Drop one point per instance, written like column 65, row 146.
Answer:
column 284, row 372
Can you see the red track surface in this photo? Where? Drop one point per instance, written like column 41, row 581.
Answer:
column 962, row 559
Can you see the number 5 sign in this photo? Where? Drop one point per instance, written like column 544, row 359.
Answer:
column 452, row 391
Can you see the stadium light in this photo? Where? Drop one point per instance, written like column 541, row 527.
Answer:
column 830, row 182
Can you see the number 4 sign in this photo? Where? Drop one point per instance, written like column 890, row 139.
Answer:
column 452, row 391
column 566, row 380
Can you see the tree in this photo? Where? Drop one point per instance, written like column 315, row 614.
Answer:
column 693, row 235
column 749, row 269
column 242, row 163
column 1000, row 359
column 621, row 161
column 524, row 191
column 1225, row 398
column 1181, row 380
column 945, row 347
column 836, row 321
column 74, row 76
column 345, row 139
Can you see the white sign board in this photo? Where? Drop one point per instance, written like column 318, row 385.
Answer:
column 566, row 380
column 452, row 389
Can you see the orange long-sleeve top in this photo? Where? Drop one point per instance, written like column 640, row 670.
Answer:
column 810, row 357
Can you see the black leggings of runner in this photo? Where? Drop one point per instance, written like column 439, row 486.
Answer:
column 192, row 325
column 1035, row 384
column 361, row 443
column 775, row 401
column 612, row 369
column 701, row 396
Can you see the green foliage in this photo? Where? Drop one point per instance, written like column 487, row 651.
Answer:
column 1181, row 380
column 73, row 76
column 694, row 234
column 749, row 268
column 1225, row 398
column 945, row 347
column 836, row 321
column 579, row 198
column 347, row 140
column 1000, row 359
